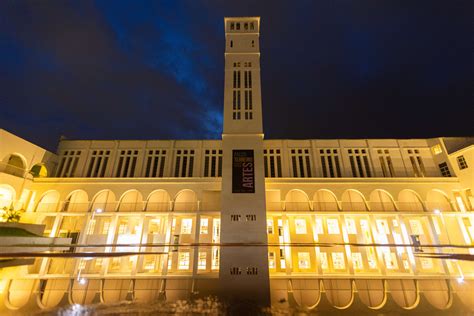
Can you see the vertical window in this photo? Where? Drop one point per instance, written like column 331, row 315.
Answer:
column 184, row 163
column 416, row 162
column 461, row 162
column 204, row 229
column 127, row 163
column 272, row 163
column 98, row 163
column 269, row 226
column 300, row 226
column 304, row 261
column 186, row 225
column 248, row 98
column 444, row 169
column 386, row 163
column 213, row 163
column 330, row 163
column 155, row 163
column 359, row 160
column 68, row 165
column 202, row 256
column 301, row 163
column 183, row 260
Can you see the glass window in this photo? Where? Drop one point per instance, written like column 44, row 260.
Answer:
column 271, row 260
column 436, row 149
column 338, row 260
column 333, row 226
column 204, row 226
column 202, row 261
column 300, row 225
column 183, row 260
column 357, row 261
column 186, row 226
column 323, row 257
column 462, row 162
column 269, row 226
column 304, row 260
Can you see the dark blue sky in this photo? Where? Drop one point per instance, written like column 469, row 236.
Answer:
column 154, row 69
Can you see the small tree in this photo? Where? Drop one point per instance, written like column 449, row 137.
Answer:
column 10, row 215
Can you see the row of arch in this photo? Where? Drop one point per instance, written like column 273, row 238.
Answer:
column 295, row 200
column 362, row 295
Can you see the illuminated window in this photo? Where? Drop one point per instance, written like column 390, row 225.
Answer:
column 183, row 260
column 204, row 230
column 186, row 226
column 436, row 149
column 215, row 258
column 115, row 264
column 323, row 258
column 357, row 261
column 426, row 263
column 271, row 260
column 269, row 226
column 351, row 226
column 330, row 163
column 333, row 226
column 82, row 264
column 91, row 227
column 444, row 169
column 304, row 260
column 382, row 226
column 99, row 262
column 105, row 227
column 319, row 226
column 202, row 256
column 149, row 262
column 461, row 162
column 391, row 260
column 416, row 227
column 300, row 224
column 338, row 260
column 123, row 228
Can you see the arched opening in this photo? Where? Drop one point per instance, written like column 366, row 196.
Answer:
column 325, row 200
column 185, row 200
column 104, row 201
column 15, row 165
column 438, row 200
column 131, row 201
column 353, row 200
column 77, row 201
column 437, row 292
column 53, row 292
column 404, row 293
column 371, row 292
column 158, row 201
column 339, row 293
column 381, row 200
column 7, row 196
column 39, row 171
column 49, row 202
column 297, row 200
column 410, row 201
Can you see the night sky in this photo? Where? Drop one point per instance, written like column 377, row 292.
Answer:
column 154, row 69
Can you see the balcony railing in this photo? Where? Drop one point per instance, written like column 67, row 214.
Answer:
column 13, row 170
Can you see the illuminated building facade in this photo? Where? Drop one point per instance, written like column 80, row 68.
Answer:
column 329, row 198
